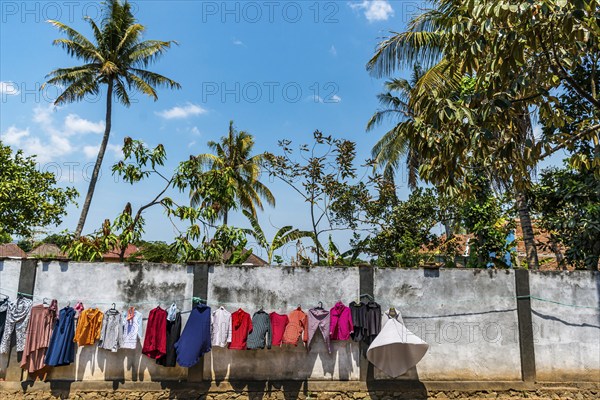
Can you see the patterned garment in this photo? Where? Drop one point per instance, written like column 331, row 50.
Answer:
column 261, row 331
column 112, row 331
column 132, row 330
column 17, row 320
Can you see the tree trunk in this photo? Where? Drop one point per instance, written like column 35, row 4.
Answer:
column 559, row 255
column 96, row 172
column 527, row 228
column 225, row 215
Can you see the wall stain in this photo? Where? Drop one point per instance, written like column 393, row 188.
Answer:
column 137, row 289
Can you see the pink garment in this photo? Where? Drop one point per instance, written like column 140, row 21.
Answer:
column 341, row 322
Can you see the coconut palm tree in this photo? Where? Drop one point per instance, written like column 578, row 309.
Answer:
column 428, row 39
column 395, row 145
column 234, row 153
column 117, row 58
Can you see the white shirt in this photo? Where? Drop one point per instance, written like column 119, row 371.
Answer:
column 220, row 327
column 132, row 330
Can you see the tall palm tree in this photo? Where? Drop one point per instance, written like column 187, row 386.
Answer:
column 395, row 145
column 426, row 40
column 116, row 57
column 234, row 152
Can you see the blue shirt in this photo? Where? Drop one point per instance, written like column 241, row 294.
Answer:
column 195, row 339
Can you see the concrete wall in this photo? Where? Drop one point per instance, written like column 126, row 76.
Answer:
column 566, row 339
column 282, row 290
column 467, row 316
column 141, row 286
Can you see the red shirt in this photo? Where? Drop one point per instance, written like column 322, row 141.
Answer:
column 241, row 326
column 155, row 342
column 278, row 324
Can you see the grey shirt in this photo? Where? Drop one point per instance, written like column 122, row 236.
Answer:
column 111, row 337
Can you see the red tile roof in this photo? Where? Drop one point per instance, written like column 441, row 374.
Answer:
column 115, row 254
column 11, row 250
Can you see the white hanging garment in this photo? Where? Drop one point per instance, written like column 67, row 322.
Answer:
column 396, row 349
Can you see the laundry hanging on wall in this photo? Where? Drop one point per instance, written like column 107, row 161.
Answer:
column 49, row 339
column 395, row 349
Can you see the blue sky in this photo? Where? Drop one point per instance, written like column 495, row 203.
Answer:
column 279, row 69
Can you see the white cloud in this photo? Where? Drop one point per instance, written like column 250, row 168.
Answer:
column 374, row 10
column 75, row 124
column 43, row 115
column 195, row 131
column 191, row 144
column 238, row 42
column 333, row 51
column 91, row 151
column 13, row 135
column 9, row 88
column 49, row 139
column 335, row 99
column 182, row 112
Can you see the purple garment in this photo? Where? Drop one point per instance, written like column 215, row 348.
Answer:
column 318, row 318
column 341, row 322
column 195, row 339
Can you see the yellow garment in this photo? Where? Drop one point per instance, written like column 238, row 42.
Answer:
column 89, row 327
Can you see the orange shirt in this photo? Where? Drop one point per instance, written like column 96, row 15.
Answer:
column 89, row 327
column 298, row 324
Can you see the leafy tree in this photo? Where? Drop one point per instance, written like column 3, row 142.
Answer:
column 568, row 202
column 282, row 237
column 29, row 198
column 116, row 57
column 156, row 251
column 394, row 146
column 58, row 239
column 139, row 163
column 234, row 153
column 6, row 238
column 404, row 229
column 321, row 170
column 461, row 117
column 484, row 217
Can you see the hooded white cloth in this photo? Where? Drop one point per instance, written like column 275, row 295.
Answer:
column 396, row 349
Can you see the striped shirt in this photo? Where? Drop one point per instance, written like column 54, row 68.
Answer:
column 261, row 331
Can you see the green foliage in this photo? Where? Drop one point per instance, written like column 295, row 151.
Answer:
column 116, row 57
column 234, row 160
column 5, row 238
column 29, row 198
column 282, row 237
column 91, row 247
column 158, row 252
column 484, row 217
column 516, row 56
column 405, row 230
column 24, row 244
column 319, row 173
column 568, row 202
column 226, row 246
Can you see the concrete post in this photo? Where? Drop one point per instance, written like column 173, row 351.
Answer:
column 366, row 284
column 525, row 325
